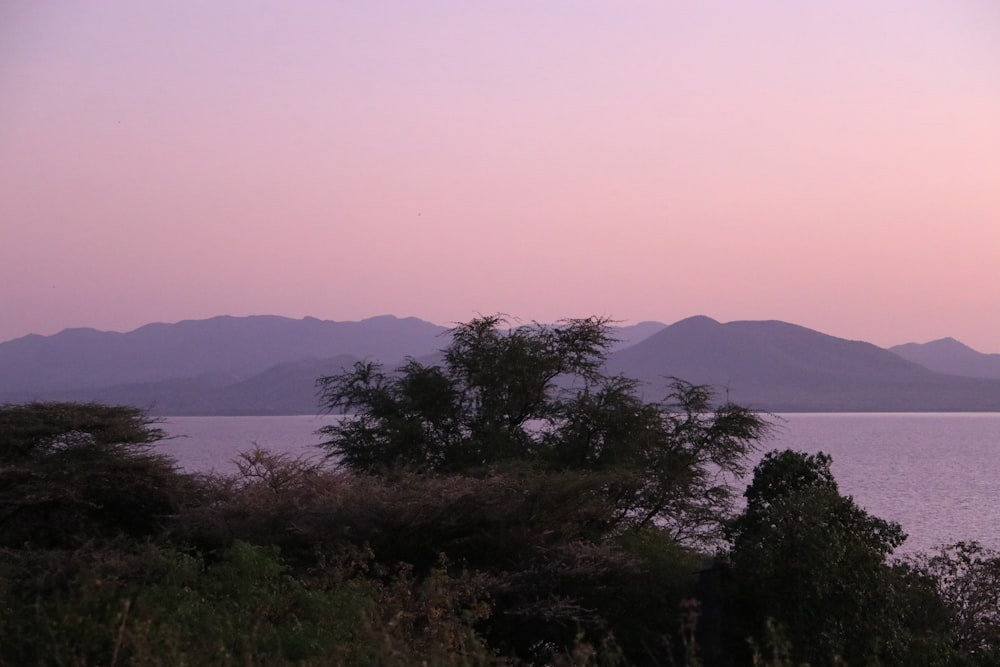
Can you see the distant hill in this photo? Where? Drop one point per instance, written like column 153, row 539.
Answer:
column 269, row 365
column 635, row 333
column 234, row 348
column 223, row 365
column 288, row 388
column 947, row 355
column 778, row 366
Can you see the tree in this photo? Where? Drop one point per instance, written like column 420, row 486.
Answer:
column 31, row 431
column 815, row 562
column 70, row 471
column 966, row 576
column 536, row 395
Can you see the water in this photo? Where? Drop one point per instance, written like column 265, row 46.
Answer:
column 937, row 474
column 206, row 444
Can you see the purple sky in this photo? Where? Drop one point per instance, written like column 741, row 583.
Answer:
column 833, row 164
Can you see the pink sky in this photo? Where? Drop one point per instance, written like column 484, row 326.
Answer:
column 832, row 164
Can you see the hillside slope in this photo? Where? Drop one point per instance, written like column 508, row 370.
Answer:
column 949, row 356
column 778, row 366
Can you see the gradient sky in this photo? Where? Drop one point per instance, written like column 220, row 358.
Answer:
column 833, row 164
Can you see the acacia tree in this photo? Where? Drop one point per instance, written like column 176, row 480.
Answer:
column 70, row 472
column 537, row 395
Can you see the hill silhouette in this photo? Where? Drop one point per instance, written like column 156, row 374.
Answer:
column 231, row 348
column 947, row 355
column 777, row 366
column 269, row 365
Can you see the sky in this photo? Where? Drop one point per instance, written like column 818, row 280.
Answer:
column 835, row 164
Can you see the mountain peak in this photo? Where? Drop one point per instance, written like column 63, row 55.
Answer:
column 697, row 320
column 947, row 355
column 949, row 342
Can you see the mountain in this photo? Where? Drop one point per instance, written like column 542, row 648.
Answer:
column 288, row 388
column 269, row 365
column 630, row 335
column 223, row 365
column 235, row 347
column 947, row 355
column 777, row 366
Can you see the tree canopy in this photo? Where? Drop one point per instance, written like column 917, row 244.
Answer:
column 537, row 395
column 810, row 558
column 70, row 472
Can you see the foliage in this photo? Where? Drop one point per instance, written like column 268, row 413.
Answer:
column 535, row 395
column 513, row 506
column 538, row 543
column 967, row 580
column 478, row 409
column 809, row 558
column 31, row 430
column 409, row 518
column 70, row 472
column 121, row 603
column 567, row 475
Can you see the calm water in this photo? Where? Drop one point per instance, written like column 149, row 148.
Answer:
column 936, row 474
column 203, row 444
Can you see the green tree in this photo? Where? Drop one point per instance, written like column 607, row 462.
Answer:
column 536, row 395
column 815, row 562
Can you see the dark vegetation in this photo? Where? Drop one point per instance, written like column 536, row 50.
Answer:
column 513, row 505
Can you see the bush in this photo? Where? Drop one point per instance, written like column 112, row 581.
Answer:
column 122, row 603
column 809, row 558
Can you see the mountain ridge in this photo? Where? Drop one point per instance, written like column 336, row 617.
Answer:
column 950, row 356
column 268, row 364
column 777, row 366
column 88, row 358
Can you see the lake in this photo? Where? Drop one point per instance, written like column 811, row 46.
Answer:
column 937, row 474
